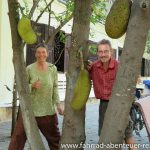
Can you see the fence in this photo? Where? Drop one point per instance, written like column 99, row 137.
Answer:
column 62, row 87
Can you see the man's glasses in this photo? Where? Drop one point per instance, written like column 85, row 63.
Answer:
column 103, row 52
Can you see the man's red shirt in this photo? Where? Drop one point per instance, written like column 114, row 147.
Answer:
column 103, row 80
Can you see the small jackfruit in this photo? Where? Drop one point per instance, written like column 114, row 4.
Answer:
column 118, row 18
column 25, row 30
column 81, row 90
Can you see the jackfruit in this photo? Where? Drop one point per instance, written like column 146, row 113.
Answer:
column 25, row 30
column 81, row 90
column 118, row 18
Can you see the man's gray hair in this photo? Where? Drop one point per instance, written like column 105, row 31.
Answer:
column 104, row 41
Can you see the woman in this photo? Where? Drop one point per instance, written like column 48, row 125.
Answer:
column 42, row 78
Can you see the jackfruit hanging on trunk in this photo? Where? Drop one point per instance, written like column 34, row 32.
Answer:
column 25, row 30
column 82, row 88
column 118, row 18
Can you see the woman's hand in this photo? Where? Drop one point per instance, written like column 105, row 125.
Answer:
column 36, row 84
column 60, row 109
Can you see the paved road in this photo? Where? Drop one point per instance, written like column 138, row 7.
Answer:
column 91, row 129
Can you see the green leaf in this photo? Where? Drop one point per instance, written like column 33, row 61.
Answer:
column 93, row 49
column 81, row 48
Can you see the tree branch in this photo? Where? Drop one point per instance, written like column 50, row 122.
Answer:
column 49, row 8
column 35, row 3
column 59, row 56
column 49, row 17
column 51, row 37
column 44, row 11
column 144, row 4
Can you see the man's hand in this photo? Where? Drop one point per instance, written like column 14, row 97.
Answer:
column 60, row 109
column 36, row 84
column 89, row 65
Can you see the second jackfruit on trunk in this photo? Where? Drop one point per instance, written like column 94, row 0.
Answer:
column 118, row 18
column 81, row 90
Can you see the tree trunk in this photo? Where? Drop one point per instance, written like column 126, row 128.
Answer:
column 14, row 107
column 74, row 121
column 116, row 118
column 31, row 129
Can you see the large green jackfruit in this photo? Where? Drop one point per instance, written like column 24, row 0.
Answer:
column 81, row 90
column 118, row 18
column 25, row 30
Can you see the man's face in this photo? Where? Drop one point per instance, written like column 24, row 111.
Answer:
column 41, row 54
column 104, row 53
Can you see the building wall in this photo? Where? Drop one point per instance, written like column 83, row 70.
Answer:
column 0, row 26
column 6, row 67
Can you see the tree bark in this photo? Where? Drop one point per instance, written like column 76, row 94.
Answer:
column 35, row 4
column 31, row 128
column 116, row 118
column 14, row 107
column 74, row 121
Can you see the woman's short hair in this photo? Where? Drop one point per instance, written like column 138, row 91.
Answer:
column 41, row 45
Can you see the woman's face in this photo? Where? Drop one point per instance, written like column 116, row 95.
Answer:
column 41, row 54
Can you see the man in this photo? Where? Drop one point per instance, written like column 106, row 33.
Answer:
column 103, row 73
column 42, row 78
